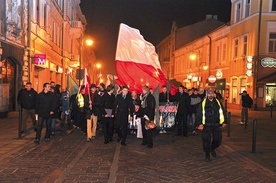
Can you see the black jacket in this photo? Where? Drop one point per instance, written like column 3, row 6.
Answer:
column 57, row 106
column 27, row 98
column 95, row 105
column 122, row 108
column 212, row 116
column 247, row 101
column 149, row 109
column 183, row 104
column 45, row 103
column 163, row 97
column 107, row 102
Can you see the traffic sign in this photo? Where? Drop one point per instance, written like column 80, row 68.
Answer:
column 212, row 79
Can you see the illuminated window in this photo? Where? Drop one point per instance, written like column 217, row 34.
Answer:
column 272, row 43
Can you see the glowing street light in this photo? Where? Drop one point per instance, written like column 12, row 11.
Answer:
column 192, row 56
column 89, row 42
column 98, row 65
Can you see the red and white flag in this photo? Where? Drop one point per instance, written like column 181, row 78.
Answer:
column 137, row 62
column 86, row 83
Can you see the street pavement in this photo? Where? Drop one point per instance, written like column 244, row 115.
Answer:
column 67, row 157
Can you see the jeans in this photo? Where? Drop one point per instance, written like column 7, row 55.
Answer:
column 53, row 125
column 40, row 126
column 244, row 115
column 63, row 117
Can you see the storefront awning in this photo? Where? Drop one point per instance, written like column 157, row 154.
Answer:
column 271, row 78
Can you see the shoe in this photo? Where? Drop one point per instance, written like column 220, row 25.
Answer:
column 53, row 133
column 242, row 123
column 213, row 153
column 194, row 132
column 105, row 142
column 207, row 157
column 110, row 140
column 47, row 139
column 36, row 141
column 23, row 131
column 164, row 131
column 118, row 139
column 93, row 137
column 150, row 146
column 74, row 126
column 88, row 139
column 78, row 127
column 123, row 143
column 144, row 144
column 35, row 129
column 161, row 131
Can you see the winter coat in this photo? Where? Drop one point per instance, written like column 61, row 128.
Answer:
column 27, row 98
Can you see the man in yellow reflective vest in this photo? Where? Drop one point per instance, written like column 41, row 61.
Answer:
column 81, row 110
column 211, row 116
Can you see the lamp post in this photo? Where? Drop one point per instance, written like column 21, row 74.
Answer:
column 88, row 42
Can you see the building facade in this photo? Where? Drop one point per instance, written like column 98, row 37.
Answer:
column 40, row 41
column 240, row 55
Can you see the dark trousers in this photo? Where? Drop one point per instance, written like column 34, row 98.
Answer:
column 25, row 114
column 82, row 121
column 211, row 137
column 147, row 134
column 121, row 130
column 181, row 119
column 108, row 126
column 244, row 114
column 48, row 121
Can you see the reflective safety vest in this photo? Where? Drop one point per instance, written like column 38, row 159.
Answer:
column 221, row 116
column 80, row 100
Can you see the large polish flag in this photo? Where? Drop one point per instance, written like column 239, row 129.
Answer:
column 137, row 62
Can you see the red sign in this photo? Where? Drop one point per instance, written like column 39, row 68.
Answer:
column 40, row 59
column 212, row 79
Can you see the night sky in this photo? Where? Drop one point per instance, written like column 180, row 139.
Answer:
column 152, row 17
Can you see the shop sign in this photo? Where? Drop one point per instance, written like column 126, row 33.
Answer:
column 53, row 67
column 59, row 69
column 40, row 59
column 268, row 62
column 218, row 74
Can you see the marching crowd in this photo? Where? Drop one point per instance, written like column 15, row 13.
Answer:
column 202, row 109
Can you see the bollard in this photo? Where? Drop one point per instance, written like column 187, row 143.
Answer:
column 254, row 136
column 229, row 124
column 20, row 122
column 271, row 110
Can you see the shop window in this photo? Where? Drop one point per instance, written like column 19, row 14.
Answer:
column 234, row 90
column 272, row 43
column 271, row 95
column 242, row 84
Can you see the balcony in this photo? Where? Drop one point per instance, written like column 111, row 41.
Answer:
column 76, row 29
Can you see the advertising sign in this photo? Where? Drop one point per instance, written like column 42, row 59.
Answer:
column 40, row 59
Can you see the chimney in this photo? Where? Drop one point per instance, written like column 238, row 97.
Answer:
column 208, row 16
column 215, row 17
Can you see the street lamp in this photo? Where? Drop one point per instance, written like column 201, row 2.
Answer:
column 97, row 66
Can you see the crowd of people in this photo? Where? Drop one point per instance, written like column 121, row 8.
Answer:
column 101, row 107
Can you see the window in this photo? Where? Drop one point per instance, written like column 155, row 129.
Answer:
column 243, row 84
column 244, row 45
column 236, row 45
column 273, row 5
column 45, row 16
column 247, row 8
column 272, row 43
column 38, row 12
column 234, row 90
column 224, row 51
column 218, row 53
column 238, row 12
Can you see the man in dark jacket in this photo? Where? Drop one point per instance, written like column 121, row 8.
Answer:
column 147, row 111
column 27, row 100
column 121, row 110
column 210, row 117
column 92, row 108
column 183, row 100
column 165, row 96
column 45, row 106
column 246, row 104
column 107, row 102
column 56, row 111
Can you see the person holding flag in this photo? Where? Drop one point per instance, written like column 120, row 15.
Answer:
column 92, row 108
column 81, row 110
